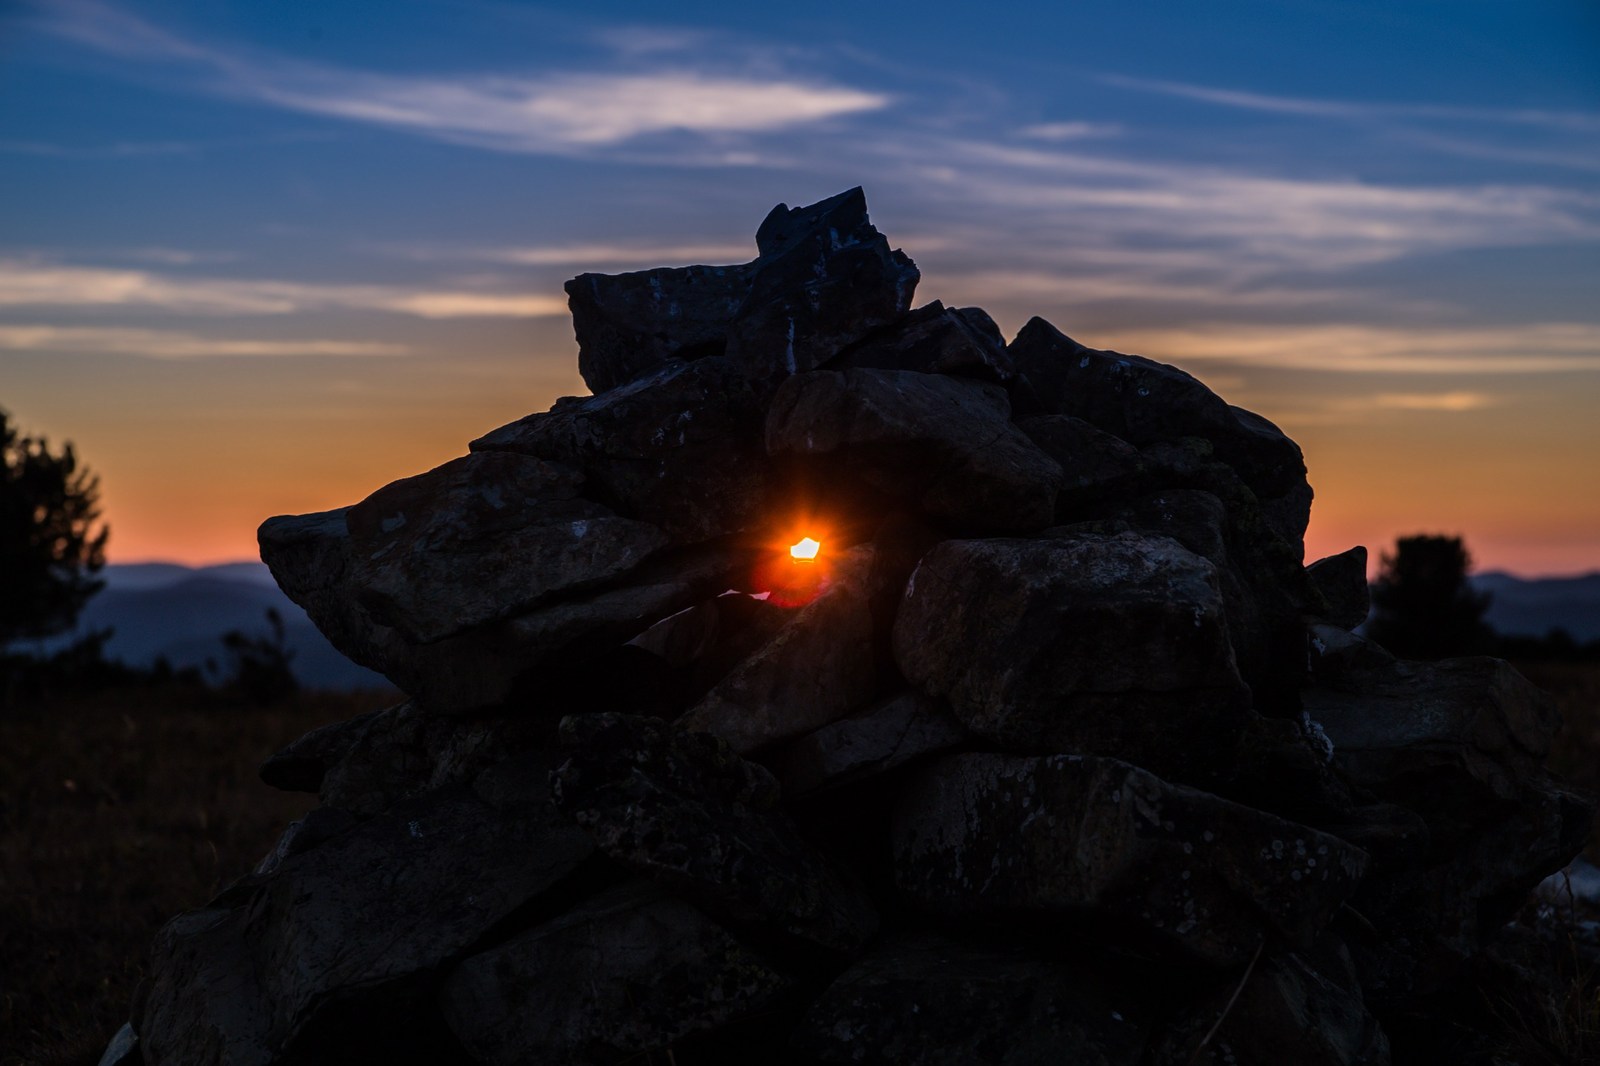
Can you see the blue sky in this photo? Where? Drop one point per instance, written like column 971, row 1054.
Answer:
column 264, row 257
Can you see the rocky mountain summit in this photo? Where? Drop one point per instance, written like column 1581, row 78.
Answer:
column 1055, row 751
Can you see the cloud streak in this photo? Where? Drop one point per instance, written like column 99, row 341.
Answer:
column 1455, row 350
column 29, row 284
column 174, row 344
column 560, row 113
column 1580, row 121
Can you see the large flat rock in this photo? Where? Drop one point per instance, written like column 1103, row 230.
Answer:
column 1093, row 643
column 1061, row 836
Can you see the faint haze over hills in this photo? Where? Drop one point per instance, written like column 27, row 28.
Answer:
column 181, row 613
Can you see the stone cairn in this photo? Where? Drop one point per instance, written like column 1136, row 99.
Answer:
column 1056, row 752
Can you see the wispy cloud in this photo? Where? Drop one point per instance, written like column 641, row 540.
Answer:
column 174, row 344
column 1352, row 109
column 578, row 255
column 1434, row 401
column 1463, row 351
column 1069, row 131
column 551, row 113
column 32, row 284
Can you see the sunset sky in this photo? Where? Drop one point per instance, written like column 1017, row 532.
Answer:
column 264, row 257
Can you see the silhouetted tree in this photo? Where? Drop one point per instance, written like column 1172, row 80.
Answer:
column 1423, row 606
column 50, row 546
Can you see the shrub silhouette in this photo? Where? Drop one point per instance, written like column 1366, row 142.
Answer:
column 1423, row 606
column 50, row 546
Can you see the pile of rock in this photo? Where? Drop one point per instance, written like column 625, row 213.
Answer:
column 1057, row 752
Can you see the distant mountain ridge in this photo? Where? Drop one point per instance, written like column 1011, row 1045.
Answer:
column 181, row 612
column 1534, row 606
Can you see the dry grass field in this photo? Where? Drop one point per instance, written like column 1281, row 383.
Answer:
column 120, row 810
column 117, row 811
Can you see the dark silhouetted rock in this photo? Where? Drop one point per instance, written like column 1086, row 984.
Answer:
column 686, row 811
column 1460, row 743
column 1095, row 464
column 630, row 324
column 302, row 765
column 825, row 279
column 625, row 974
column 1264, row 613
column 638, row 446
column 1084, row 643
column 935, row 340
column 204, row 1001
column 1062, row 836
column 483, row 538
column 944, row 444
column 337, row 918
column 815, row 669
column 873, row 742
column 1124, row 786
column 313, row 558
column 1296, row 1008
column 1143, row 402
column 927, row 1001
column 1341, row 581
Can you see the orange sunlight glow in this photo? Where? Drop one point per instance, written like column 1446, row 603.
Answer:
column 806, row 550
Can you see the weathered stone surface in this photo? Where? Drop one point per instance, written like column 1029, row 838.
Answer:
column 867, row 744
column 1143, row 401
column 1461, row 743
column 686, row 811
column 204, row 1001
column 623, row 975
column 1095, row 464
column 934, row 339
column 1341, row 581
column 1304, row 1008
column 404, row 752
column 927, row 1001
column 825, row 279
column 314, row 560
column 338, row 917
column 945, row 444
column 630, row 324
column 483, row 538
column 1114, row 645
column 1054, row 836
column 1264, row 617
column 638, row 445
column 815, row 669
column 302, row 765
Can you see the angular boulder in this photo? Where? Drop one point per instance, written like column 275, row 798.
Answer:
column 934, row 339
column 866, row 744
column 1341, row 581
column 825, row 279
column 929, row 1001
column 481, row 539
column 620, row 976
column 686, row 811
column 944, row 444
column 630, row 324
column 683, row 423
column 816, row 668
column 1143, row 402
column 1065, row 836
column 1080, row 643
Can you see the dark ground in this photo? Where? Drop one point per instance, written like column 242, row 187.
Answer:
column 119, row 810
